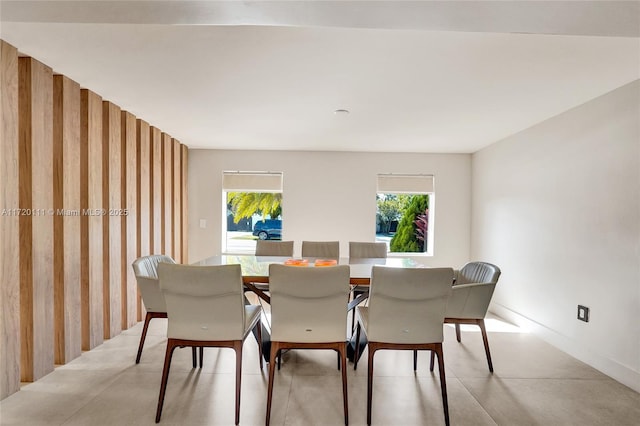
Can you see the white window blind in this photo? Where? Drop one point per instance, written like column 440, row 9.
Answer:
column 405, row 184
column 252, row 181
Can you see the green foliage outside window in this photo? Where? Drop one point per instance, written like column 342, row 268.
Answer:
column 406, row 239
column 390, row 208
column 246, row 204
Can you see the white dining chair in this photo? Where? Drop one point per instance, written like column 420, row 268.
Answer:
column 269, row 248
column 406, row 312
column 367, row 250
column 205, row 308
column 274, row 248
column 145, row 269
column 321, row 249
column 364, row 251
column 472, row 292
column 308, row 311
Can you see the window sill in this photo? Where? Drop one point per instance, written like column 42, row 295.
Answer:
column 410, row 254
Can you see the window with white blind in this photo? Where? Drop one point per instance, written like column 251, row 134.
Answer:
column 404, row 215
column 253, row 209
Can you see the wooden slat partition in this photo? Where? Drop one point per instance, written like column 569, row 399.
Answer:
column 185, row 222
column 129, row 219
column 66, row 219
column 156, row 191
column 91, row 221
column 36, row 224
column 85, row 189
column 144, row 221
column 167, row 195
column 9, row 223
column 176, row 203
column 112, row 201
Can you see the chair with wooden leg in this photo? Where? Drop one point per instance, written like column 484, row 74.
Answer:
column 267, row 248
column 146, row 271
column 205, row 307
column 308, row 311
column 472, row 292
column 364, row 252
column 274, row 248
column 367, row 250
column 406, row 312
column 321, row 249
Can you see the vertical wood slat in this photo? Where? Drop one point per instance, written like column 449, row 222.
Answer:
column 36, row 228
column 176, row 203
column 66, row 219
column 112, row 225
column 167, row 194
column 129, row 218
column 144, row 222
column 184, row 157
column 143, row 160
column 156, row 191
column 91, row 223
column 9, row 223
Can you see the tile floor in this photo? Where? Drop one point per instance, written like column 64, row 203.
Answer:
column 533, row 384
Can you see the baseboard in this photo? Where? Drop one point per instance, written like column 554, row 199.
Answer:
column 611, row 368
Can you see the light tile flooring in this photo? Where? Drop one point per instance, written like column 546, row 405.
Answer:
column 533, row 384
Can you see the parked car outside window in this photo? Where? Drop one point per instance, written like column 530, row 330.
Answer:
column 269, row 229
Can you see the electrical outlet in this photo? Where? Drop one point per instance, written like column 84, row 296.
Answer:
column 583, row 313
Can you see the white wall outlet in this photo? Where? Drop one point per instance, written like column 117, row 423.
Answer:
column 203, row 223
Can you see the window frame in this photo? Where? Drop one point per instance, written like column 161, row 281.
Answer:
column 410, row 184
column 246, row 182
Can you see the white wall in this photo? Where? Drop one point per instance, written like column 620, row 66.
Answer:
column 332, row 196
column 557, row 207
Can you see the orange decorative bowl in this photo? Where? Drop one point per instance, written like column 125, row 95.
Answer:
column 326, row 262
column 297, row 262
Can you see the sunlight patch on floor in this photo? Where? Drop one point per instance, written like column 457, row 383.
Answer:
column 493, row 325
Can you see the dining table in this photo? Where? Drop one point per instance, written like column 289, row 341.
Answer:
column 255, row 277
column 255, row 269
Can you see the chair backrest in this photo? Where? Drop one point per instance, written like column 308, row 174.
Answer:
column 478, row 272
column 359, row 250
column 321, row 249
column 274, row 248
column 203, row 302
column 146, row 271
column 407, row 305
column 308, row 304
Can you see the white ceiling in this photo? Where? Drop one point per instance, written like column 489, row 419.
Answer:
column 415, row 76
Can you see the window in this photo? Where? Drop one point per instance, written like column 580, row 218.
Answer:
column 404, row 215
column 253, row 209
